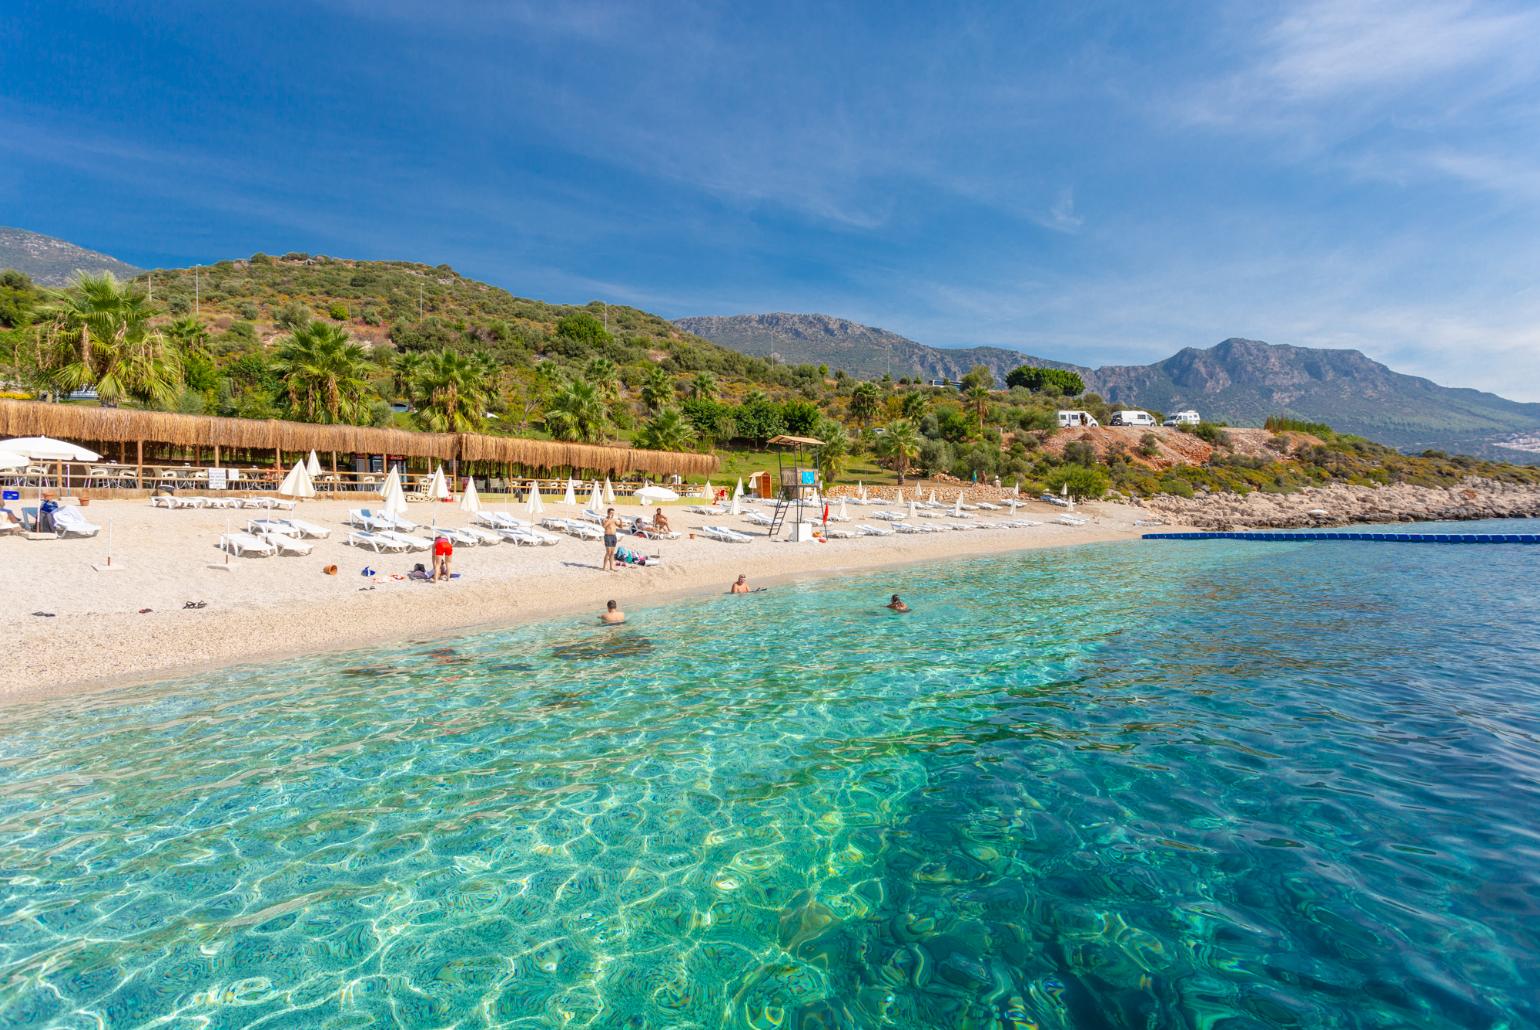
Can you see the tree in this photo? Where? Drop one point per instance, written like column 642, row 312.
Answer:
column 582, row 328
column 325, row 375
column 864, row 399
column 977, row 396
column 668, row 431
column 899, row 445
column 453, row 390
column 798, row 417
column 18, row 298
column 404, row 370
column 1062, row 380
column 914, row 405
column 657, row 389
column 835, row 452
column 293, row 316
column 102, row 337
column 604, row 374
column 711, row 420
column 758, row 418
column 577, row 412
column 702, row 387
column 1082, row 482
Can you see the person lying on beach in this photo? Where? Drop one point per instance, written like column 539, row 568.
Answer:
column 897, row 604
column 612, row 614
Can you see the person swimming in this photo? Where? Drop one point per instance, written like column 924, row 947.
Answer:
column 612, row 615
column 740, row 585
column 897, row 605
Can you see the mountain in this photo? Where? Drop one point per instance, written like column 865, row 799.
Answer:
column 1244, row 381
column 54, row 262
column 1237, row 381
column 861, row 350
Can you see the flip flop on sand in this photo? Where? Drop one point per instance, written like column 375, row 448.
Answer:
column 145, row 611
column 195, row 604
column 44, row 615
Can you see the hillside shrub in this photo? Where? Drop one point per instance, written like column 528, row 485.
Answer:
column 1056, row 380
column 1284, row 424
column 338, row 311
column 1083, row 483
column 1149, row 445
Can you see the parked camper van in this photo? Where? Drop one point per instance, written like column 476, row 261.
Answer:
column 1183, row 418
column 1132, row 418
column 1068, row 419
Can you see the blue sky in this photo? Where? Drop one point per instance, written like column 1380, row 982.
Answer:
column 1093, row 182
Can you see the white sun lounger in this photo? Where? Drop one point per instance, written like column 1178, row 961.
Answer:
column 458, row 537
column 413, row 543
column 375, row 541
column 888, row 516
column 1071, row 520
column 705, row 509
column 866, row 530
column 840, row 533
column 726, row 535
column 308, row 529
column 910, row 527
column 69, row 522
column 581, row 530
column 984, row 505
column 277, row 526
column 530, row 537
column 286, row 544
column 758, row 518
column 246, row 545
column 484, row 537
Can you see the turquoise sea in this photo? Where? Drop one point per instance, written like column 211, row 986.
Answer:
column 1135, row 785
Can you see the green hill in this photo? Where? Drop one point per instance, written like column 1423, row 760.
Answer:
column 54, row 262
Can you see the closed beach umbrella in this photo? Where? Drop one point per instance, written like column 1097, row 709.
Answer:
column 595, row 499
column 438, row 489
column 570, row 497
column 844, row 514
column 1016, row 490
column 957, row 504
column 913, row 513
column 297, row 483
column 395, row 498
column 932, row 497
column 468, row 500
column 384, row 488
column 313, row 465
column 861, row 489
column 738, row 490
column 609, row 491
column 735, row 507
column 656, row 495
column 533, row 502
column 709, row 493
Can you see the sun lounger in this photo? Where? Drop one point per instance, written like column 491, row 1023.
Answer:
column 840, row 533
column 866, row 530
column 888, row 516
column 726, row 535
column 500, row 520
column 162, row 501
column 705, row 509
column 593, row 516
column 458, row 537
column 1071, row 520
column 413, row 543
column 983, row 505
column 484, row 537
column 581, row 530
column 910, row 527
column 307, row 529
column 246, row 545
column 758, row 518
column 530, row 537
column 278, row 526
column 376, row 541
column 68, row 521
column 647, row 532
column 285, row 544
column 1056, row 500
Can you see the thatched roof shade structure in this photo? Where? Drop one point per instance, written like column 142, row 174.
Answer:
column 92, row 424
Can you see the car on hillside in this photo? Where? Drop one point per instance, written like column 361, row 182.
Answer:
column 1132, row 418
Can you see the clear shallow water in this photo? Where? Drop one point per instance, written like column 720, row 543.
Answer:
column 1158, row 784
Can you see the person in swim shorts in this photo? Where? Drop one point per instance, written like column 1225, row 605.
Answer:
column 611, row 538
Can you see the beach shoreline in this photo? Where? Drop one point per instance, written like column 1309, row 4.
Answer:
column 272, row 609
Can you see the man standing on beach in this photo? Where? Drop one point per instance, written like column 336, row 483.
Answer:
column 443, row 550
column 611, row 538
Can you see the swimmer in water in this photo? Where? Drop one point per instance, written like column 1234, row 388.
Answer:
column 897, row 604
column 612, row 616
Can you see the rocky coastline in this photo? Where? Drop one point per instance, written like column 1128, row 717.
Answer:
column 1340, row 505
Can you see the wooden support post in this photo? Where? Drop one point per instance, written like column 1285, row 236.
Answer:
column 139, row 463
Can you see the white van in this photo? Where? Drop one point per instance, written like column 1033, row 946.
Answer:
column 1183, row 418
column 1068, row 419
column 1132, row 418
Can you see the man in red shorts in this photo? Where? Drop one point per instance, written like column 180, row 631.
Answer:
column 443, row 550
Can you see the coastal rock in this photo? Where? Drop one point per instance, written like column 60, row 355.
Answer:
column 1472, row 499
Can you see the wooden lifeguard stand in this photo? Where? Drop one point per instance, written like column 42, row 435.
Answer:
column 797, row 482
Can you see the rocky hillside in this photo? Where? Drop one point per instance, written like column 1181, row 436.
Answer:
column 1238, row 381
column 54, row 262
column 861, row 350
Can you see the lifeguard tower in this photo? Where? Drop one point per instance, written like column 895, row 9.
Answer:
column 797, row 480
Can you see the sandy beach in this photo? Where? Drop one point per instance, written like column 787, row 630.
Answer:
column 269, row 607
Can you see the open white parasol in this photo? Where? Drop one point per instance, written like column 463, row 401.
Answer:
column 655, row 495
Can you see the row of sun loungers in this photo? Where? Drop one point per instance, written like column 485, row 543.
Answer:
column 177, row 501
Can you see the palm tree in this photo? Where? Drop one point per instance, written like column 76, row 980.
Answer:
column 914, row 405
column 977, row 395
column 603, row 374
column 101, row 335
column 863, row 402
column 404, row 370
column 189, row 335
column 453, row 392
column 657, row 388
column 668, row 431
column 835, row 452
column 325, row 375
column 900, row 444
column 577, row 412
column 702, row 387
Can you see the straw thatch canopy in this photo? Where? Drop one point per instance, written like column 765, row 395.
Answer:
column 124, row 425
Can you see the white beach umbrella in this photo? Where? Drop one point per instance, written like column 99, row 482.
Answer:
column 533, row 503
column 957, row 504
column 1016, row 490
column 395, row 498
column 609, row 491
column 709, row 493
column 861, row 489
column 595, row 498
column 297, row 483
column 438, row 488
column 844, row 514
column 313, row 465
column 738, row 490
column 932, row 500
column 735, row 507
column 384, row 488
column 913, row 512
column 12, row 460
column 46, row 448
column 570, row 497
column 468, row 500
column 656, row 495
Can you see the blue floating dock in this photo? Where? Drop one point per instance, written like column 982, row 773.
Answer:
column 1395, row 538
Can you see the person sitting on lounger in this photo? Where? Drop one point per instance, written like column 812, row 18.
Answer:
column 45, row 514
column 897, row 604
column 612, row 614
column 740, row 585
column 660, row 521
